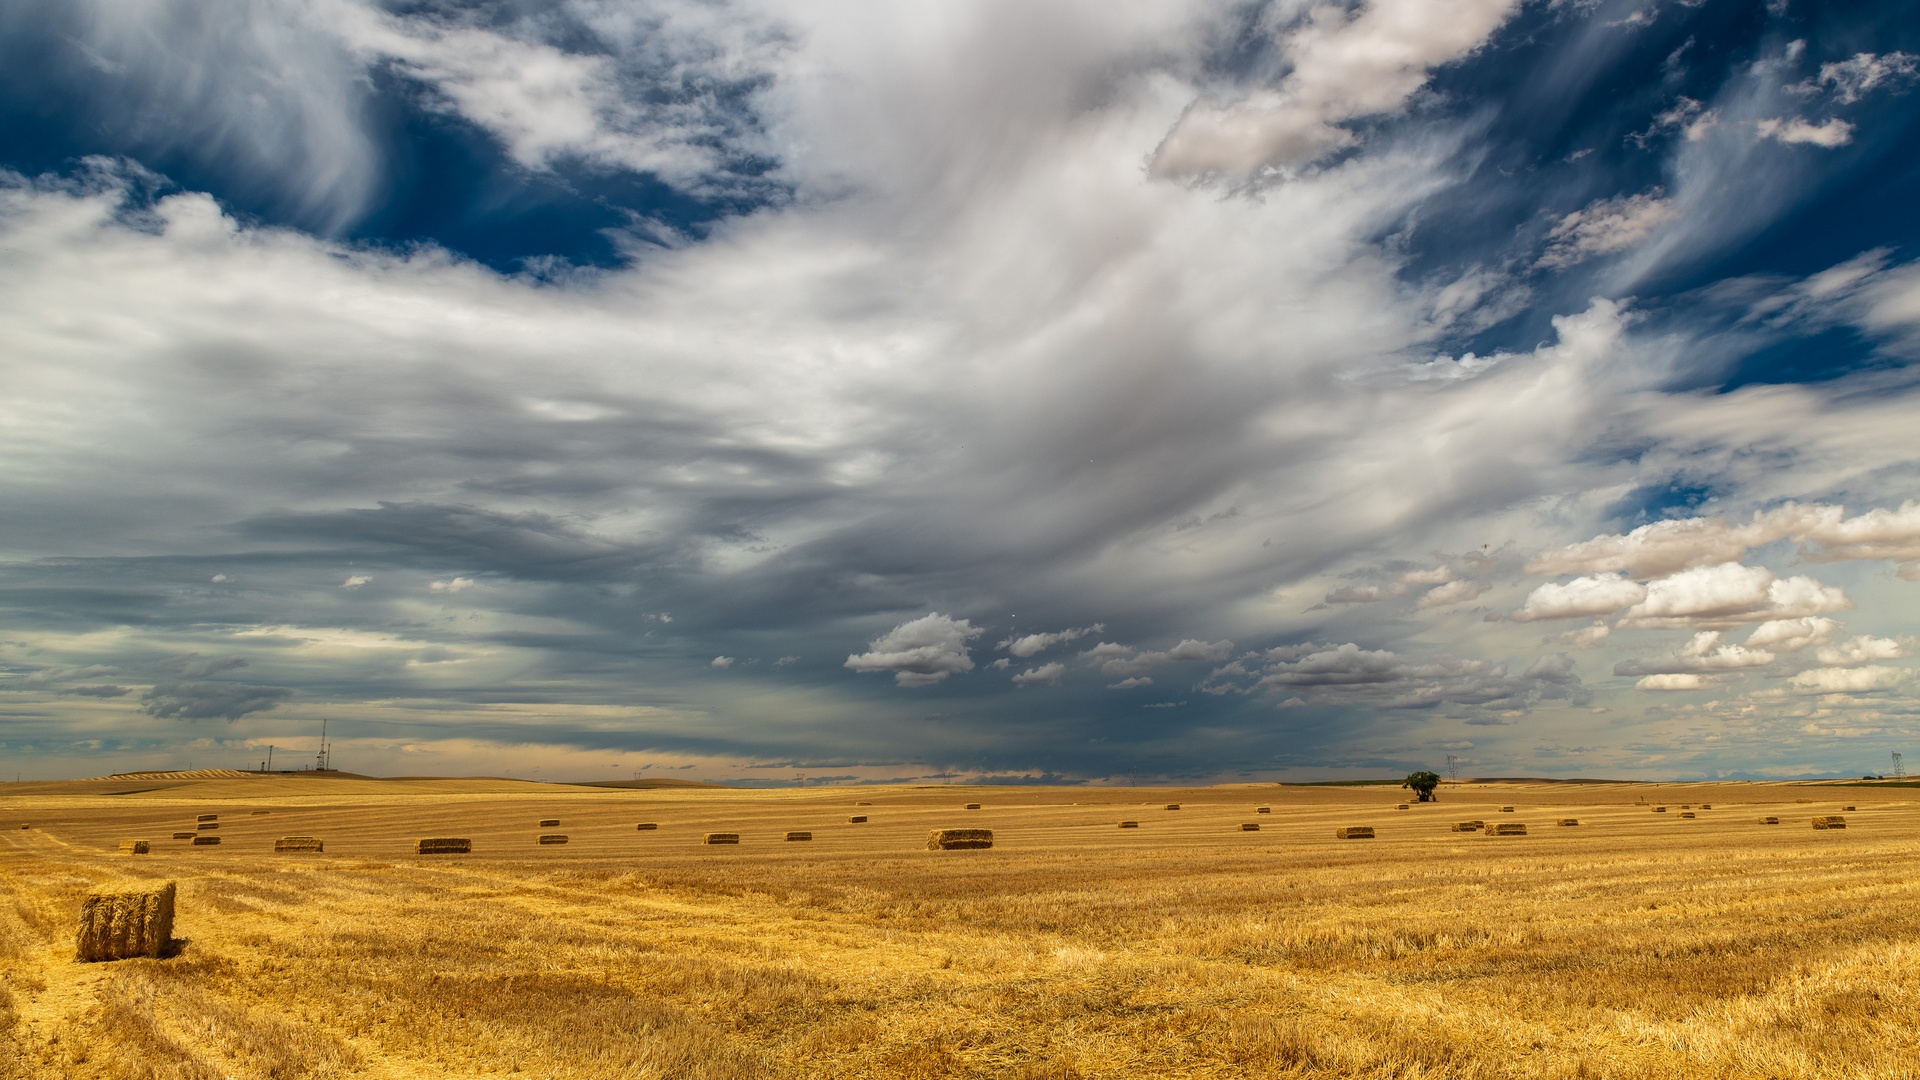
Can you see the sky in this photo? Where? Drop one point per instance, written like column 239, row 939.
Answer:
column 774, row 392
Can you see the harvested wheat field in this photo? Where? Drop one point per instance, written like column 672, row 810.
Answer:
column 1634, row 946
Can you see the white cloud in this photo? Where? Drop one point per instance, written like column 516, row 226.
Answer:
column 1666, row 547
column 1792, row 635
column 1847, row 680
column 1453, row 592
column 722, row 662
column 1606, row 227
column 1046, row 673
column 1876, row 534
column 1833, row 133
column 1731, row 594
column 354, row 581
column 1704, row 654
column 1129, row 684
column 1345, row 65
column 453, row 586
column 1116, row 659
column 1860, row 650
column 1672, row 682
column 1858, row 75
column 1595, row 594
column 921, row 652
column 1587, row 637
column 1031, row 644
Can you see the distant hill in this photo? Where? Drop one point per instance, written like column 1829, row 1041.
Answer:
column 663, row 782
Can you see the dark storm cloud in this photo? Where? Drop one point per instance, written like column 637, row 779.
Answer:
column 210, row 700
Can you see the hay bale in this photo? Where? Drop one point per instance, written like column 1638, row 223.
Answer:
column 1506, row 828
column 116, row 926
column 1469, row 826
column 1832, row 821
column 550, row 823
column 1659, row 809
column 1769, row 821
column 257, row 813
column 722, row 838
column 1569, row 821
column 1263, row 809
column 184, row 835
column 1506, row 809
column 863, row 804
column 25, row 825
column 207, row 825
column 1848, row 809
column 552, row 838
column 1686, row 806
column 856, row 820
column 799, row 836
column 958, row 839
column 443, row 845
column 1402, row 806
column 646, row 826
column 1706, row 806
column 1129, row 824
column 205, row 841
column 1249, row 826
column 135, row 847
column 971, row 806
column 298, row 843
column 1686, row 813
column 1354, row 832
column 208, row 817
column 1173, row 806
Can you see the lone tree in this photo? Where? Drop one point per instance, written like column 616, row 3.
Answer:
column 1423, row 783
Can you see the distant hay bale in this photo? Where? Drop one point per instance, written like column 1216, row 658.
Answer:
column 1848, row 809
column 443, row 845
column 856, row 820
column 26, row 825
column 1686, row 806
column 1263, row 809
column 552, row 838
column 1769, row 821
column 257, row 813
column 208, row 825
column 971, row 806
column 135, row 847
column 184, row 835
column 647, row 825
column 799, row 836
column 1402, row 806
column 1506, row 828
column 1249, row 826
column 205, row 841
column 722, row 838
column 959, row 839
column 1354, row 832
column 1469, row 826
column 863, row 804
column 298, row 843
column 1173, row 806
column 1506, row 809
column 1686, row 813
column 1832, row 821
column 116, row 926
column 1659, row 809
column 208, row 817
column 1129, row 824
column 1569, row 821
column 550, row 823
column 1706, row 806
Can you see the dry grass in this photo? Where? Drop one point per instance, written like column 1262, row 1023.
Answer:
column 1622, row 950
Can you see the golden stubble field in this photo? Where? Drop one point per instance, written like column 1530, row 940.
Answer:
column 1633, row 945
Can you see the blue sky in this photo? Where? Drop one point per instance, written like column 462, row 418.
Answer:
column 1181, row 391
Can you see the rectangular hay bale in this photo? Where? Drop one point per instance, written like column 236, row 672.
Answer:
column 208, row 825
column 135, row 847
column 1659, row 809
column 299, row 843
column 1849, row 809
column 1569, row 821
column 1129, row 824
column 1686, row 813
column 857, row 819
column 722, row 838
column 184, row 835
column 121, row 925
column 550, row 823
column 646, row 826
column 971, row 806
column 1769, row 821
column 1263, row 809
column 1354, row 832
column 1506, row 809
column 959, row 839
column 1832, row 821
column 208, row 817
column 1506, row 828
column 1403, row 806
column 1173, row 806
column 443, row 845
column 205, row 841
column 1469, row 826
column 552, row 838
column 1249, row 826
column 257, row 813
column 799, row 836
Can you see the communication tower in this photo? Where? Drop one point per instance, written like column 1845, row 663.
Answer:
column 1453, row 768
column 1899, row 770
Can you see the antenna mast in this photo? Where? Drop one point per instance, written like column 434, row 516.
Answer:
column 1453, row 768
column 1899, row 770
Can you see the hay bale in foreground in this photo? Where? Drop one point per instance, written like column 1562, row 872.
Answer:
column 1832, row 821
column 1354, row 832
column 443, row 845
column 959, row 839
column 119, row 925
column 1686, row 813
column 1506, row 828
column 646, row 825
column 1129, row 824
column 1263, row 809
column 722, row 838
column 1173, row 806
column 1469, row 826
column 550, row 823
column 298, row 843
column 552, row 838
column 856, row 820
column 205, row 841
column 1569, row 821
column 799, row 836
column 971, row 806
column 208, row 817
column 135, row 847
